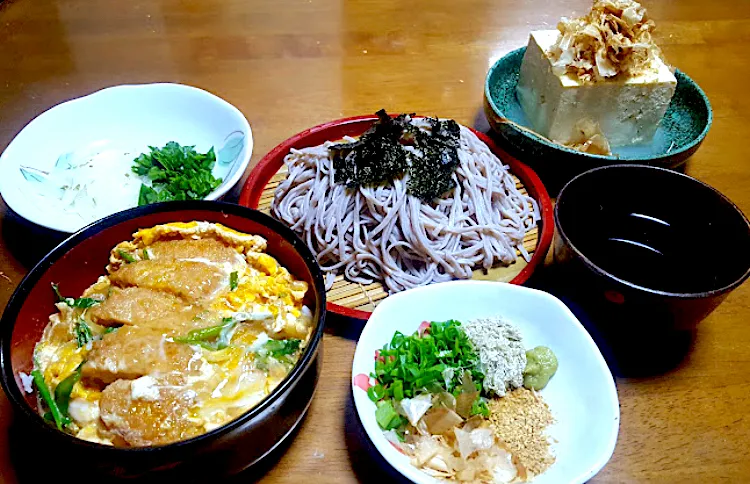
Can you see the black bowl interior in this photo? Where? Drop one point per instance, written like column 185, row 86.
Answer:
column 78, row 261
column 655, row 229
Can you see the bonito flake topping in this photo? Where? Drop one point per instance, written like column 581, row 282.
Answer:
column 613, row 39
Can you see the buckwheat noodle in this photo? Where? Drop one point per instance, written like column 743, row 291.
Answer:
column 384, row 234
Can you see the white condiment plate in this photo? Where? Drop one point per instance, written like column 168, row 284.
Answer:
column 114, row 126
column 582, row 395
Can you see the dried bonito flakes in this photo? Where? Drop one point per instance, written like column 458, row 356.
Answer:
column 613, row 39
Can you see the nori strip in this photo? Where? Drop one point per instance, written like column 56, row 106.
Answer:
column 430, row 175
column 375, row 158
column 379, row 157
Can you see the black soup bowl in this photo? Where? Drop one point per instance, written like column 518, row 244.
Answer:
column 650, row 249
column 75, row 264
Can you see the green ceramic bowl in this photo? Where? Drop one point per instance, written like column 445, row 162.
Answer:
column 681, row 132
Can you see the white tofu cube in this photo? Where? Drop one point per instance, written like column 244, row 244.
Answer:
column 628, row 111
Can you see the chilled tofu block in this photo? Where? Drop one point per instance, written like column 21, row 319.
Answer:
column 628, row 110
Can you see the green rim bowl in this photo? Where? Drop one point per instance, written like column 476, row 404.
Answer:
column 679, row 135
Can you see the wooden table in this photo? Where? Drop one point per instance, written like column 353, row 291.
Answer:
column 291, row 64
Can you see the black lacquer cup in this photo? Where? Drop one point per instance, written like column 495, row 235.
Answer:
column 648, row 253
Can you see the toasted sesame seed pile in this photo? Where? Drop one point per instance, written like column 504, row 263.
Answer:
column 520, row 419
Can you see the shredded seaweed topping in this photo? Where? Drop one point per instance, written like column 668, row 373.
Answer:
column 430, row 175
column 375, row 158
column 379, row 156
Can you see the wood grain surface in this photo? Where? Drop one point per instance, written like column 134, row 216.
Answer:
column 291, row 64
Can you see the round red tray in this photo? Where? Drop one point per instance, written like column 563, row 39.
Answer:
column 355, row 126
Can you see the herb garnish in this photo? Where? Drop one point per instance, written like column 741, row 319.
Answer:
column 81, row 302
column 282, row 347
column 64, row 389
column 83, row 333
column 233, row 280
column 129, row 259
column 44, row 392
column 379, row 156
column 281, row 350
column 176, row 173
column 211, row 338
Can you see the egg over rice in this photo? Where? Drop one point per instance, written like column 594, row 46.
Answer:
column 193, row 325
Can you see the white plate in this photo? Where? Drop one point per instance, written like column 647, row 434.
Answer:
column 582, row 395
column 113, row 126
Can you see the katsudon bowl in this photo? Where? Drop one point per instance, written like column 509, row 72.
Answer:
column 75, row 264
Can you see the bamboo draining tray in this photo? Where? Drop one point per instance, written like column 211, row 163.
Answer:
column 365, row 297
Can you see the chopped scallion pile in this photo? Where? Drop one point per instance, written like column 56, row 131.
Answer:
column 433, row 362
column 387, row 417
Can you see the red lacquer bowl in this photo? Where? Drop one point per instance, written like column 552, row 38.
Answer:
column 355, row 126
column 76, row 264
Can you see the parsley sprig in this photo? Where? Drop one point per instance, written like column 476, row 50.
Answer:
column 176, row 173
